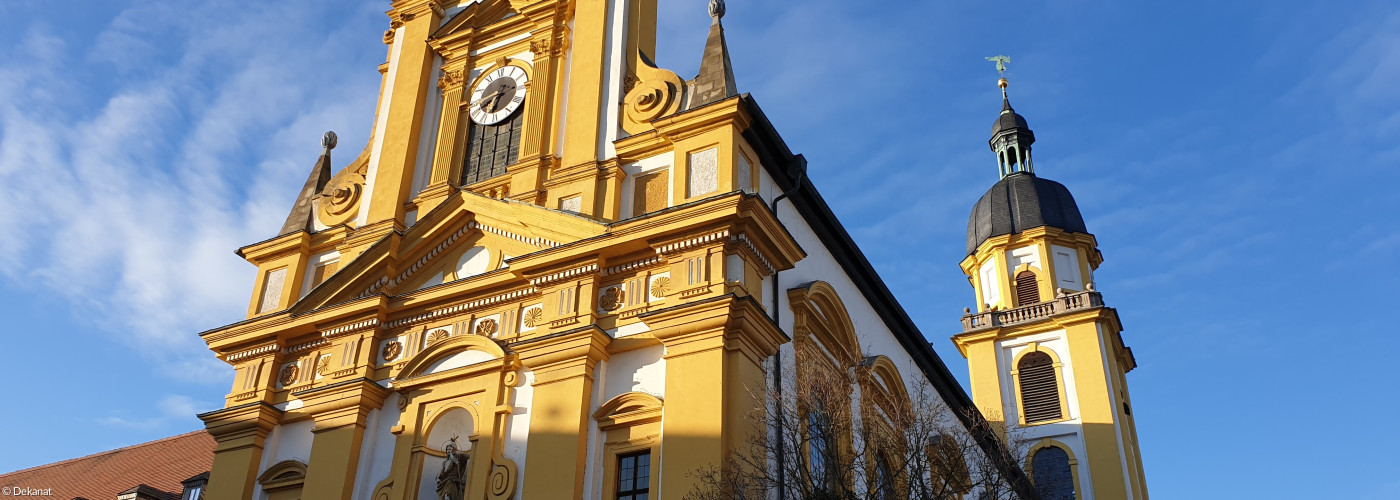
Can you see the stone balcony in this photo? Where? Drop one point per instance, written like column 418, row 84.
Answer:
column 1065, row 303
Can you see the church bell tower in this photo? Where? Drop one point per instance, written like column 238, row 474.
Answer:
column 1047, row 360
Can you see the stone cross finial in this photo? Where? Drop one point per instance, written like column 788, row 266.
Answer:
column 328, row 142
column 716, row 9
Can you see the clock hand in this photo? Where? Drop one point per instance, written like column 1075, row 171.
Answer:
column 483, row 99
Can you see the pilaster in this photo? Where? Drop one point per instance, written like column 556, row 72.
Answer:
column 239, row 433
column 339, row 410
column 714, row 376
column 563, row 366
column 393, row 175
column 585, row 98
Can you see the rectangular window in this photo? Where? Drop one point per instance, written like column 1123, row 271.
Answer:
column 702, row 172
column 991, row 292
column 1067, row 268
column 634, row 476
column 272, row 290
column 324, row 271
column 490, row 148
column 651, row 193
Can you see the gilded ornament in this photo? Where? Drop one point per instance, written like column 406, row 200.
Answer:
column 612, row 299
column 532, row 316
column 539, row 45
column 486, row 327
column 323, row 366
column 659, row 286
column 288, row 375
column 391, row 350
column 437, row 336
column 449, row 78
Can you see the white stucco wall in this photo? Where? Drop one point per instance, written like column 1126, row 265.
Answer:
column 285, row 442
column 377, row 450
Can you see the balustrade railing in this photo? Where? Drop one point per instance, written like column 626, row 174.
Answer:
column 1033, row 312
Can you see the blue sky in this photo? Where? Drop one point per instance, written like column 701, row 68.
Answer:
column 1234, row 159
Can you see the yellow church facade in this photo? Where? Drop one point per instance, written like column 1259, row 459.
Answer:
column 558, row 270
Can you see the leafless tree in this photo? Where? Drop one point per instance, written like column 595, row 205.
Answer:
column 821, row 444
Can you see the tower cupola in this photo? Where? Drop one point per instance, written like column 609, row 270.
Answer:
column 1011, row 138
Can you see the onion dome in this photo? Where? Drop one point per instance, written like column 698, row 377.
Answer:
column 1022, row 201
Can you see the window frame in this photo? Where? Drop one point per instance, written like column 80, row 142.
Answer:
column 637, row 488
column 1034, row 347
column 1069, row 453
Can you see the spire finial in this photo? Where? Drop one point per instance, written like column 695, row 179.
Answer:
column 716, row 79
column 716, row 9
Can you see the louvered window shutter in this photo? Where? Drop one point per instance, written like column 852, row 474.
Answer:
column 1027, row 290
column 1040, row 392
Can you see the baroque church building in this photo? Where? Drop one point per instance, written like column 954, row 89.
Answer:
column 558, row 270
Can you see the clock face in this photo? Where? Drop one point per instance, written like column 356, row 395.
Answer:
column 498, row 95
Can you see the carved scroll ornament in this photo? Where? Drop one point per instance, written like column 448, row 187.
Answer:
column 657, row 94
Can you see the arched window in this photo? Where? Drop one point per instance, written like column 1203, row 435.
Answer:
column 1027, row 290
column 818, row 445
column 884, row 481
column 1050, row 471
column 1040, row 392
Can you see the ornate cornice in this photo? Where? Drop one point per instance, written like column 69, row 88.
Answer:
column 350, row 328
column 690, row 243
column 636, row 264
column 251, row 352
column 462, row 307
column 743, row 240
column 563, row 275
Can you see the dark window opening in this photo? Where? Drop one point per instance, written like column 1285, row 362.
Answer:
column 1027, row 289
column 491, row 148
column 634, row 476
column 1040, row 391
column 1051, row 474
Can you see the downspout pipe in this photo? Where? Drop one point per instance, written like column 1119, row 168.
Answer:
column 797, row 169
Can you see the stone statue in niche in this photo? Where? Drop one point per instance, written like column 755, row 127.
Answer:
column 452, row 480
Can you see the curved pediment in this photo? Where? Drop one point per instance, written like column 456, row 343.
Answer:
column 452, row 353
column 628, row 408
column 287, row 473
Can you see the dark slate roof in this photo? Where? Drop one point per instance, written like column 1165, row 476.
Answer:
column 1018, row 202
column 1008, row 119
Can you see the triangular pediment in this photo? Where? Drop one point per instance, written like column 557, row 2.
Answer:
column 441, row 246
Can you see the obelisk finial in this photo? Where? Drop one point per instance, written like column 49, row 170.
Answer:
column 716, row 9
column 328, row 142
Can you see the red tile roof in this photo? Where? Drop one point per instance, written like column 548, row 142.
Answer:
column 161, row 464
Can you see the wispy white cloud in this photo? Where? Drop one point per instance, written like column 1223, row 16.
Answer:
column 171, row 409
column 128, row 198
